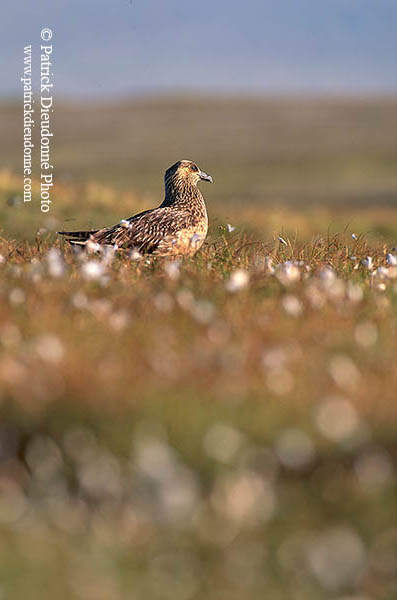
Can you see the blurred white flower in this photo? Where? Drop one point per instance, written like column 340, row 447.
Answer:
column 337, row 419
column 391, row 259
column 17, row 296
column 79, row 300
column 374, row 469
column 354, row 292
column 292, row 305
column 185, row 299
column 280, row 381
column 109, row 253
column 295, row 449
column 366, row 334
column 244, row 497
column 354, row 236
column 238, row 280
column 288, row 272
column 222, row 442
column 336, row 557
column 163, row 302
column 344, row 372
column 368, row 263
column 172, row 269
column 315, row 296
column 119, row 320
column 203, row 311
column 101, row 476
column 230, row 228
column 275, row 358
column 93, row 270
column 56, row 263
column 50, row 349
column 327, row 275
column 381, row 273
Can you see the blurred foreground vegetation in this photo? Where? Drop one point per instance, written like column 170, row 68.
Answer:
column 218, row 427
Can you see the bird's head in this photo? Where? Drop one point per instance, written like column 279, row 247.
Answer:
column 186, row 171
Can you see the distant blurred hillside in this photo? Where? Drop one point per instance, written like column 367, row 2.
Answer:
column 107, row 49
column 269, row 151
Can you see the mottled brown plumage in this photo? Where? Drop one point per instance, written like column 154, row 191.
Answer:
column 178, row 226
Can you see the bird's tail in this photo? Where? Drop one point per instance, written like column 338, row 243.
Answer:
column 77, row 237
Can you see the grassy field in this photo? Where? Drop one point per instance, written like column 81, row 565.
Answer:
column 217, row 427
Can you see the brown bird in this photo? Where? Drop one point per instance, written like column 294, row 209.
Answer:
column 178, row 226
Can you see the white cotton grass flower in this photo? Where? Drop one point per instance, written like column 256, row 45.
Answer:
column 109, row 253
column 344, row 372
column 230, row 228
column 295, row 449
column 327, row 276
column 292, row 305
column 366, row 334
column 35, row 270
column 17, row 296
column 368, row 263
column 163, row 302
column 381, row 273
column 354, row 292
column 391, row 259
column 50, row 348
column 280, row 381
column 55, row 263
column 336, row 557
column 316, row 297
column 244, row 497
column 203, row 311
column 222, row 442
column 288, row 272
column 93, row 270
column 237, row 281
column 172, row 269
column 80, row 300
column 119, row 320
column 374, row 469
column 337, row 419
column 178, row 493
column 354, row 236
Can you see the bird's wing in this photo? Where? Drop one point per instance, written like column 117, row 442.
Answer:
column 145, row 230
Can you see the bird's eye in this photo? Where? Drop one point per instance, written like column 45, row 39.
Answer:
column 194, row 168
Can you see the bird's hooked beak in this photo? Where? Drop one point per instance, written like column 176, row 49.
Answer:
column 206, row 177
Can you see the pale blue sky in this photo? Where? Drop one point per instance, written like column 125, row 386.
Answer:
column 122, row 47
